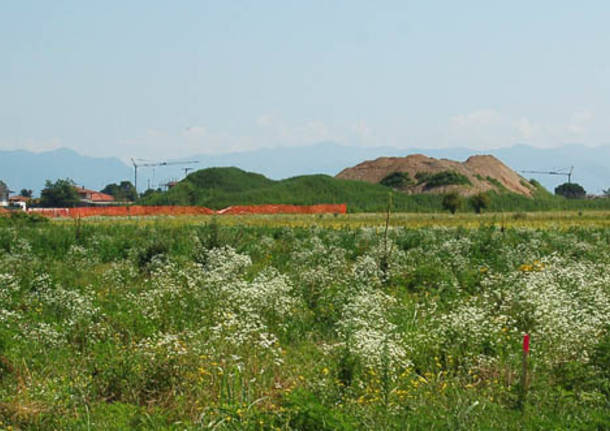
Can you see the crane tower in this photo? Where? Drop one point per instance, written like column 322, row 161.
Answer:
column 152, row 165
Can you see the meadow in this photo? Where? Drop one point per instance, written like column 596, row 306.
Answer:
column 306, row 322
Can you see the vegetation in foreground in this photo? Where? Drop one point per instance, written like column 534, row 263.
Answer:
column 219, row 188
column 196, row 326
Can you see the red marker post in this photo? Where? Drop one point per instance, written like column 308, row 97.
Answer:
column 524, row 376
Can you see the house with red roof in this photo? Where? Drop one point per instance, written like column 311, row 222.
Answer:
column 93, row 197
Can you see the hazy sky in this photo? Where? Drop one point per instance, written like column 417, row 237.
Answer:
column 165, row 79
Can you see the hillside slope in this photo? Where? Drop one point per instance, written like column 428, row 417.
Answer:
column 219, row 188
column 477, row 174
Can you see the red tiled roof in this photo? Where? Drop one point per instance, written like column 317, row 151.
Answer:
column 93, row 195
column 101, row 197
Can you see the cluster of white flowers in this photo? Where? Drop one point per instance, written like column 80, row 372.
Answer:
column 564, row 305
column 225, row 264
column 78, row 254
column 247, row 308
column 68, row 304
column 119, row 274
column 162, row 347
column 369, row 334
column 568, row 304
column 9, row 285
column 167, row 285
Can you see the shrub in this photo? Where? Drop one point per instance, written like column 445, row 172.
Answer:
column 20, row 217
column 479, row 202
column 397, row 180
column 495, row 182
column 570, row 191
column 443, row 178
column 61, row 193
column 153, row 248
column 452, row 202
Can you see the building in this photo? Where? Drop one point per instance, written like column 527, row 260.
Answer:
column 93, row 197
column 3, row 194
column 19, row 201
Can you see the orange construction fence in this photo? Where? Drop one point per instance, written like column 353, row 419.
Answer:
column 138, row 210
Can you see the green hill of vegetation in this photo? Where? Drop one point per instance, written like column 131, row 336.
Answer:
column 219, row 188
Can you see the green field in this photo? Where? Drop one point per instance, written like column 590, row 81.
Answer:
column 306, row 322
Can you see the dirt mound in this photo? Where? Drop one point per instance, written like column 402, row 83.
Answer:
column 430, row 175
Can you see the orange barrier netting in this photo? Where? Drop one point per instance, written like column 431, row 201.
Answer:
column 138, row 210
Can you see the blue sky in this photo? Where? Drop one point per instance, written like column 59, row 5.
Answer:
column 159, row 79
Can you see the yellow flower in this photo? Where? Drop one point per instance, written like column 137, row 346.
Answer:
column 325, row 371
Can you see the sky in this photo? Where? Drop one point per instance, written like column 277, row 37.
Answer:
column 164, row 80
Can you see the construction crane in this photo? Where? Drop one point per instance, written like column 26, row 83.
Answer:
column 150, row 165
column 558, row 172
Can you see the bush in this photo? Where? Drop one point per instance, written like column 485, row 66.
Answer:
column 452, row 202
column 479, row 202
column 61, row 193
column 443, row 178
column 125, row 191
column 20, row 217
column 570, row 191
column 397, row 180
column 152, row 249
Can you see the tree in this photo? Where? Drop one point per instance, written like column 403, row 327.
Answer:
column 570, row 191
column 61, row 193
column 26, row 193
column 479, row 202
column 452, row 202
column 606, row 192
column 121, row 192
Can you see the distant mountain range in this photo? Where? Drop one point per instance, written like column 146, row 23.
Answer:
column 23, row 169
column 26, row 170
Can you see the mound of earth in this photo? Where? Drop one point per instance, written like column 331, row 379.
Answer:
column 421, row 174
